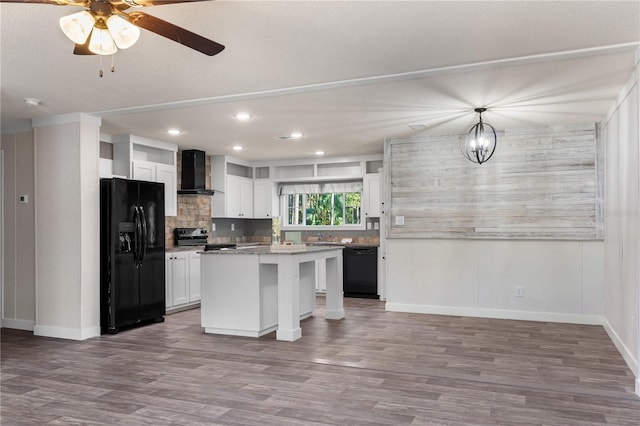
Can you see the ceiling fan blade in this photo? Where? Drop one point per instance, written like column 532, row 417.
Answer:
column 145, row 3
column 55, row 2
column 175, row 33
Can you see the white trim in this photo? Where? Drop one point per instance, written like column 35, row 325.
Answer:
column 1, row 236
column 624, row 351
column 76, row 117
column 628, row 87
column 311, row 161
column 66, row 333
column 17, row 324
column 20, row 126
column 139, row 140
column 478, row 66
column 496, row 313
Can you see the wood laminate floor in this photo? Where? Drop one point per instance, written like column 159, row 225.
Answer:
column 372, row 368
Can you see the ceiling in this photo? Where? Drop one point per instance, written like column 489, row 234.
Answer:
column 346, row 74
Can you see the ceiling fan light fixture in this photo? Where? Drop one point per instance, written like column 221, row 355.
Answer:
column 101, row 42
column 123, row 32
column 77, row 26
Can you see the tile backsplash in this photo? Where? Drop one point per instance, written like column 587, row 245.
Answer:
column 194, row 211
column 259, row 231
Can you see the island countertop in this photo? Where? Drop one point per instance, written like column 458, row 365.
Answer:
column 269, row 250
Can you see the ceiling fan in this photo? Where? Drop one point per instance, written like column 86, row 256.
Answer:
column 104, row 27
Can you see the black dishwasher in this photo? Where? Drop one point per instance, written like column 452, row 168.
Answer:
column 360, row 272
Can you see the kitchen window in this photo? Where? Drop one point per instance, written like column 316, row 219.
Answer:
column 322, row 205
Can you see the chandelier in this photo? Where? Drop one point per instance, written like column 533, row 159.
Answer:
column 481, row 140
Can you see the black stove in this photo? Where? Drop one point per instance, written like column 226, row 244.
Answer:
column 191, row 236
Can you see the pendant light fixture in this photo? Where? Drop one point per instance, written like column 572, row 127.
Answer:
column 481, row 140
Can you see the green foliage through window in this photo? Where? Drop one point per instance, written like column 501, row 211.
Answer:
column 329, row 209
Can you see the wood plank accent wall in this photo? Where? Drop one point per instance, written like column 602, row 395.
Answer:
column 543, row 183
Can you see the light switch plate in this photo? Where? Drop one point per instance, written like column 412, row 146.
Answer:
column 399, row 220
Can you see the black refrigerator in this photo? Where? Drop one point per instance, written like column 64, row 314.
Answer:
column 132, row 253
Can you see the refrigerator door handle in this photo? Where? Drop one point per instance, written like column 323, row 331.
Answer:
column 143, row 248
column 137, row 251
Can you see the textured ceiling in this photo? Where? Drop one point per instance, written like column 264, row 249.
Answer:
column 345, row 74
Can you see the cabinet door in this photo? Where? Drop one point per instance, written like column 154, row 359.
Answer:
column 143, row 170
column 263, row 199
column 179, row 266
column 371, row 189
column 246, row 197
column 194, row 277
column 167, row 174
column 168, row 281
column 232, row 196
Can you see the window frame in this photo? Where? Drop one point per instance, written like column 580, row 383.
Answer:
column 284, row 208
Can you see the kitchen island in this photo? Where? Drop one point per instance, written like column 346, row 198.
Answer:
column 253, row 291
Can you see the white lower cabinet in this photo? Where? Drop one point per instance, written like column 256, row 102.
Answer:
column 182, row 279
column 194, row 277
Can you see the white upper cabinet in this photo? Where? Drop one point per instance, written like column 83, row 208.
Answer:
column 265, row 199
column 232, row 181
column 145, row 159
column 371, row 194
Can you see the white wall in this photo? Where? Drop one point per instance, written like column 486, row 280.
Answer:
column 18, row 262
column 561, row 280
column 621, row 130
column 67, row 226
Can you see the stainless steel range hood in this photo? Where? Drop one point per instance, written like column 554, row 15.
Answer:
column 194, row 174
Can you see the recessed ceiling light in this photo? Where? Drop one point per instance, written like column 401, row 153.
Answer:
column 32, row 102
column 319, row 152
column 243, row 116
column 174, row 132
column 237, row 148
column 296, row 135
column 418, row 126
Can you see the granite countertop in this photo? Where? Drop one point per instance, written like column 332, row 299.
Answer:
column 332, row 243
column 176, row 249
column 263, row 249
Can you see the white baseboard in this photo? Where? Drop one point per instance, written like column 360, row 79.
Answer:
column 18, row 324
column 631, row 361
column 496, row 313
column 66, row 333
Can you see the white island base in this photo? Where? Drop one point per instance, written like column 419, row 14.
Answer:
column 252, row 292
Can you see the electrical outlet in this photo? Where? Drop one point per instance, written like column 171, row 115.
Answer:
column 233, row 227
column 519, row 291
